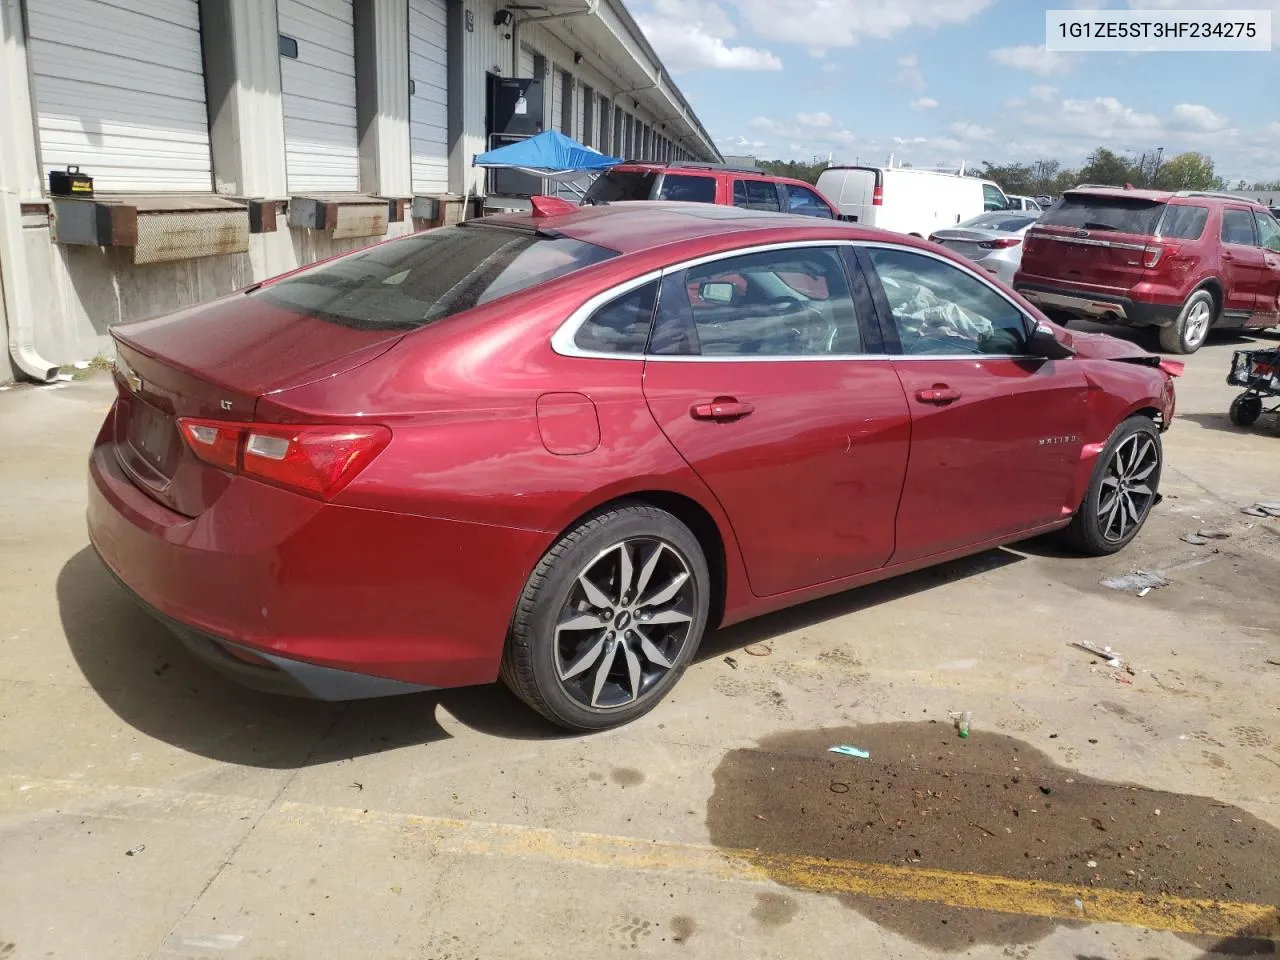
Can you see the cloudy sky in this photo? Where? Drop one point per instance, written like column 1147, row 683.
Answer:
column 946, row 81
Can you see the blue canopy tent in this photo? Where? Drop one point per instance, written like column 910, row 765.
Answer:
column 549, row 155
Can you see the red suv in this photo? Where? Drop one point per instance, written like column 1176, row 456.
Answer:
column 1184, row 262
column 709, row 183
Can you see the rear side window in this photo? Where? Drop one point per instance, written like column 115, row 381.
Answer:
column 1183, row 222
column 756, row 195
column 680, row 186
column 621, row 185
column 1237, row 227
column 621, row 325
column 429, row 276
column 1091, row 212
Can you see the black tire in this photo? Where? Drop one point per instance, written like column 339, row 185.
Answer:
column 1093, row 529
column 1189, row 332
column 1245, row 410
column 532, row 661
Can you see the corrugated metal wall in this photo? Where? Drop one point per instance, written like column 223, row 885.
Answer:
column 119, row 91
column 483, row 49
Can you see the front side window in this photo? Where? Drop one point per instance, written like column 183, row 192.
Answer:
column 1268, row 232
column 621, row 325
column 803, row 201
column 1183, row 222
column 992, row 198
column 940, row 309
column 779, row 303
column 679, row 186
column 756, row 195
column 1237, row 227
column 429, row 276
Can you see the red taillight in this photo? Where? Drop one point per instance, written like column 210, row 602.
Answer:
column 315, row 459
column 877, row 196
column 1173, row 368
column 1003, row 243
column 213, row 441
column 1153, row 253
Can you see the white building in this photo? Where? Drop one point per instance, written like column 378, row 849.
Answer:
column 231, row 140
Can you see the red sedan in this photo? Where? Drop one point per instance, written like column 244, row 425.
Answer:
column 560, row 448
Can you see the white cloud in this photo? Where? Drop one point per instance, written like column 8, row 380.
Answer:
column 820, row 120
column 691, row 35
column 924, row 103
column 1101, row 119
column 843, row 23
column 831, row 68
column 1043, row 92
column 1196, row 117
column 1037, row 60
column 909, row 74
column 742, row 145
column 971, row 131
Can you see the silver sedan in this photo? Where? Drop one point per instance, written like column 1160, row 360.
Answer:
column 991, row 240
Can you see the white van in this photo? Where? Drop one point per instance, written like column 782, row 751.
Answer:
column 907, row 200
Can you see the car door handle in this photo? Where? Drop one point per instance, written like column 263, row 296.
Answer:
column 1228, row 255
column 721, row 408
column 938, row 393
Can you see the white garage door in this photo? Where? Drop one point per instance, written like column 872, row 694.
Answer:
column 119, row 91
column 429, row 96
column 318, row 91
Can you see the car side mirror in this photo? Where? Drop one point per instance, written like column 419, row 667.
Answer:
column 1043, row 343
column 716, row 292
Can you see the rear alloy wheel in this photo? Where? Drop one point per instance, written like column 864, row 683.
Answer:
column 1122, row 491
column 1188, row 333
column 1245, row 410
column 609, row 619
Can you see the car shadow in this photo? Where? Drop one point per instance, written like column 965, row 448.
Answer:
column 1268, row 422
column 852, row 601
column 142, row 672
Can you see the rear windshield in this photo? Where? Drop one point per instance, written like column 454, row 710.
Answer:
column 411, row 282
column 1008, row 222
column 1121, row 214
column 621, row 185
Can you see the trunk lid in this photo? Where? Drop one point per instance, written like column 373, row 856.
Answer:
column 1093, row 241
column 966, row 241
column 214, row 362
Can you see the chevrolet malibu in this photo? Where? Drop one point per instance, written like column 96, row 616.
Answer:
column 559, row 448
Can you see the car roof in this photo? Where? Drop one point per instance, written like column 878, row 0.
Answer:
column 1164, row 196
column 702, row 170
column 631, row 226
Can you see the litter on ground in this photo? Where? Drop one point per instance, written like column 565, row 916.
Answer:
column 845, row 750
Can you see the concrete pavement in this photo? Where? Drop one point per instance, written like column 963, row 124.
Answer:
column 149, row 808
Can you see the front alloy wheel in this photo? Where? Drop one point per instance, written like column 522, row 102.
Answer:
column 609, row 618
column 1124, row 487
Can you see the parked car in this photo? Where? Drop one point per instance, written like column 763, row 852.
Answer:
column 708, row 183
column 993, row 240
column 1019, row 202
column 908, row 200
column 561, row 447
column 1184, row 262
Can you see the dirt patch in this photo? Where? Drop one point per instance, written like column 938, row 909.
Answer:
column 991, row 804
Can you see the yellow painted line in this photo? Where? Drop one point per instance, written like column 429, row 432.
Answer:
column 821, row 875
column 443, row 835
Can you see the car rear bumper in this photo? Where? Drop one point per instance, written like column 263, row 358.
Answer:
column 1102, row 307
column 288, row 593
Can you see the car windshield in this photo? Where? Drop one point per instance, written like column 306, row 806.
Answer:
column 1093, row 212
column 1007, row 222
column 621, row 185
column 427, row 277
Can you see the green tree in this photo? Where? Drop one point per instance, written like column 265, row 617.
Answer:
column 1108, row 168
column 1188, row 171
